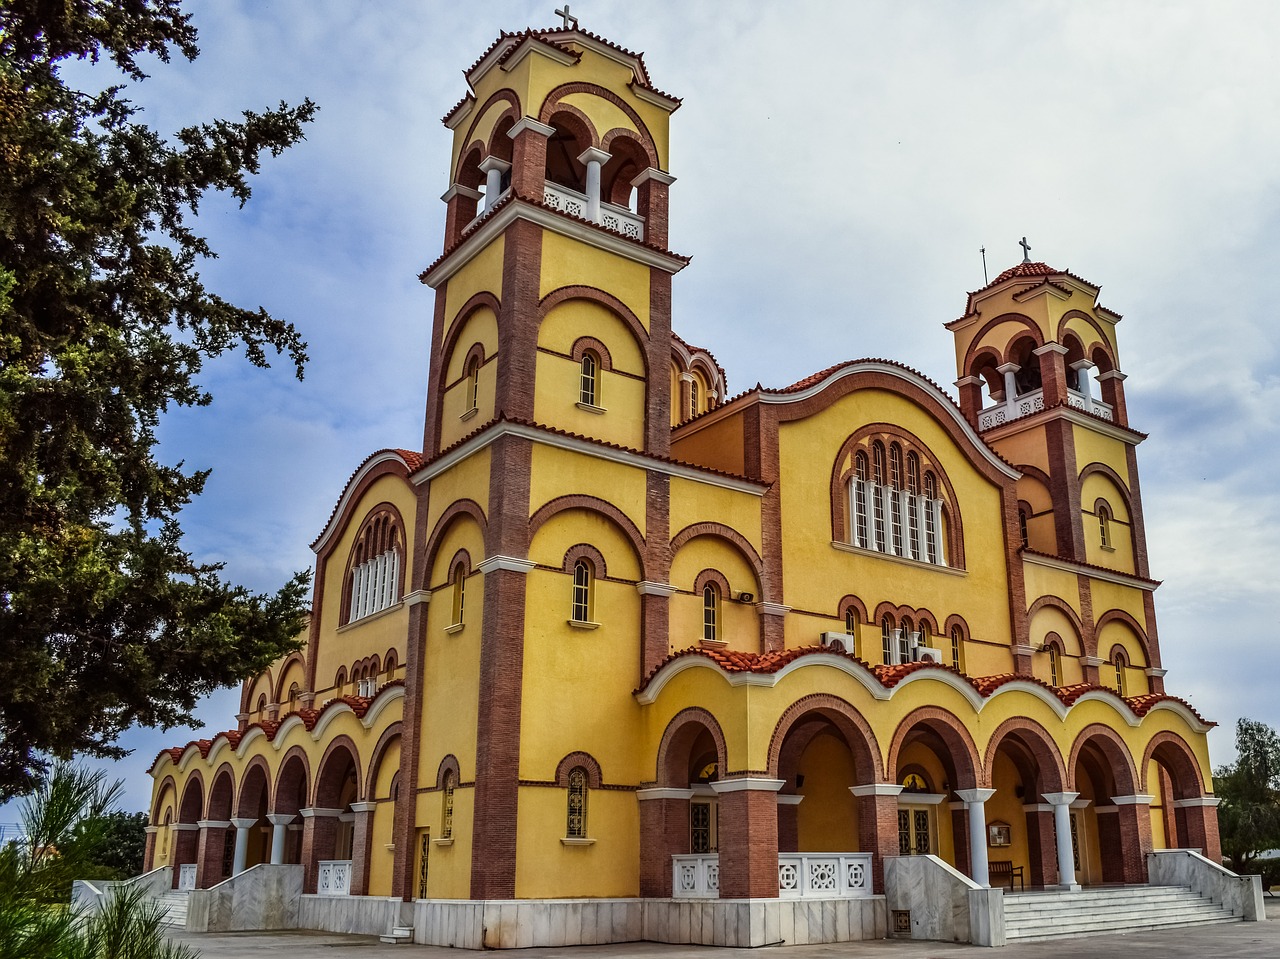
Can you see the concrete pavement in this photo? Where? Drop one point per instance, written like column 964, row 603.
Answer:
column 1235, row 941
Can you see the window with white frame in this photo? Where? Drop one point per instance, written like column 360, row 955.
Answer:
column 896, row 510
column 376, row 564
column 582, row 583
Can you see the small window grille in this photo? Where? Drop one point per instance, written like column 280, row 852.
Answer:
column 1104, row 527
column 446, row 813
column 577, row 804
column 1022, row 526
column 1120, row 683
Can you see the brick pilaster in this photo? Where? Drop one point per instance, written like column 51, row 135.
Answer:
column 361, row 834
column 212, row 850
column 664, row 832
column 748, row 839
column 878, row 827
column 319, row 840
column 1064, row 488
column 1135, row 840
column 1042, row 847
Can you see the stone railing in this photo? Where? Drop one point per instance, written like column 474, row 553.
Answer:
column 695, row 877
column 262, row 897
column 1033, row 402
column 824, row 875
column 931, row 899
column 88, row 895
column 1241, row 895
column 186, row 877
column 334, row 878
column 612, row 217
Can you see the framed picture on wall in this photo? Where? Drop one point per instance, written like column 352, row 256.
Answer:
column 999, row 834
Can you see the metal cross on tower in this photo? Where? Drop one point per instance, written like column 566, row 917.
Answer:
column 1026, row 250
column 570, row 21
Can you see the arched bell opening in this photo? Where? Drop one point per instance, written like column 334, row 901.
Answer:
column 571, row 137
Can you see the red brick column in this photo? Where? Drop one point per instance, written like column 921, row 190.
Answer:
column 773, row 619
column 664, row 832
column 460, row 209
column 361, row 833
column 319, row 837
column 529, row 157
column 1113, row 395
column 148, row 858
column 186, row 845
column 1053, row 373
column 1200, row 825
column 877, row 826
column 1041, row 847
column 1134, row 815
column 960, row 837
column 789, row 823
column 970, row 398
column 655, row 625
column 212, row 848
column 652, row 197
column 748, row 837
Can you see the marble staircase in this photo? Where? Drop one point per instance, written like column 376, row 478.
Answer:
column 1034, row 916
column 173, row 908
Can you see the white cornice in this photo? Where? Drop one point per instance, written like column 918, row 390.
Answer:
column 558, row 223
column 908, row 376
column 654, row 98
column 530, row 46
column 653, row 173
column 1106, row 575
column 510, row 564
column 529, row 123
column 454, row 119
column 647, row 588
column 747, row 783
column 331, row 528
column 588, row 448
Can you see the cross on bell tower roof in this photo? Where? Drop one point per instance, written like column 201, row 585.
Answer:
column 570, row 21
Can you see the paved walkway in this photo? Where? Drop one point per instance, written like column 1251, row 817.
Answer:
column 1235, row 941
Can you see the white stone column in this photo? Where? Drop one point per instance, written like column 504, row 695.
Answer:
column 975, row 801
column 593, row 159
column 1009, row 371
column 279, row 822
column 1084, row 382
column 242, row 844
column 493, row 168
column 1061, row 803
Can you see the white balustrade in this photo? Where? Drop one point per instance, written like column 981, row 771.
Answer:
column 840, row 875
column 186, row 877
column 695, row 877
column 615, row 218
column 1033, row 402
column 335, row 877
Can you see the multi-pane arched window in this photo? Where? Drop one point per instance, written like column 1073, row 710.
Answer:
column 1119, row 662
column 896, row 510
column 957, row 647
column 576, row 825
column 887, row 639
column 1104, row 525
column 695, row 396
column 582, row 589
column 376, row 564
column 711, row 612
column 589, row 380
column 1055, row 666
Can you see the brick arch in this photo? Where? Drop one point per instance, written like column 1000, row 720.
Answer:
column 288, row 781
column 186, row 807
column 588, row 762
column 551, row 105
column 223, row 774
column 168, row 783
column 1120, row 616
column 250, row 684
column 1056, row 602
column 1172, row 752
column 376, row 757
column 242, row 807
column 975, row 350
column 850, row 600
column 482, row 299
column 588, row 127
column 447, row 765
column 1089, row 349
column 323, row 792
column 962, row 752
column 1121, row 487
column 595, row 505
column 599, row 568
column 1039, row 747
column 729, row 535
column 857, row 732
column 508, row 96
column 1115, row 752
column 294, row 657
column 681, row 733
column 840, row 524
column 584, row 343
column 369, row 542
column 456, row 509
column 609, row 302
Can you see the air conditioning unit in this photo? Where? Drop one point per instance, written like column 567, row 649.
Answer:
column 838, row 642
column 926, row 654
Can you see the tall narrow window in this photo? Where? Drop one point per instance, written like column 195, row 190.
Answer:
column 1022, row 526
column 957, row 648
column 860, row 534
column 459, row 594
column 695, row 396
column 582, row 591
column 589, row 392
column 1055, row 666
column 1104, row 526
column 576, row 827
column 924, row 633
column 933, row 508
column 711, row 612
column 473, row 383
column 446, row 811
column 1119, row 663
column 895, row 466
column 886, row 640
column 851, row 622
column 374, row 576
column 906, row 636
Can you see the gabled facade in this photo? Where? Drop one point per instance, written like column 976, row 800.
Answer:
column 614, row 635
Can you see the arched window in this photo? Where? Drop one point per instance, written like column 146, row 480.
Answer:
column 376, row 562
column 262, row 705
column 446, row 808
column 695, row 396
column 340, row 680
column 582, row 582
column 924, row 634
column 1022, row 525
column 459, row 584
column 1118, row 660
column 293, row 695
column 851, row 622
column 576, row 827
column 886, row 639
column 711, row 612
column 890, row 517
column 906, row 638
column 861, row 490
column 473, row 383
column 957, row 647
column 1055, row 666
column 895, row 498
column 588, row 389
column 1104, row 525
column 880, row 495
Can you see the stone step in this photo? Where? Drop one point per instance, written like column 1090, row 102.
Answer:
column 1066, row 915
column 1115, row 918
column 1113, row 931
column 1040, row 910
column 398, row 935
column 1108, row 894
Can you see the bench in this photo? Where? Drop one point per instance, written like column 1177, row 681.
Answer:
column 1003, row 873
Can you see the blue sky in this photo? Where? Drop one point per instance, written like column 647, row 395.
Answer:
column 838, row 167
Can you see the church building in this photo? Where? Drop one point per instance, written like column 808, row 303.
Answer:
column 615, row 644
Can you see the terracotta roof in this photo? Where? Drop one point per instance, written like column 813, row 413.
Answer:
column 511, row 197
column 701, row 349
column 1032, row 271
column 412, row 460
